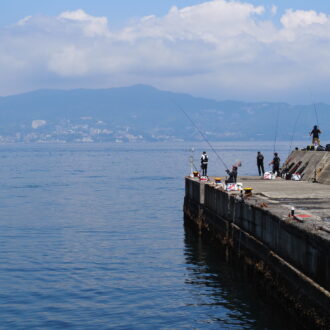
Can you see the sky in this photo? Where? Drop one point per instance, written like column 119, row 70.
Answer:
column 240, row 50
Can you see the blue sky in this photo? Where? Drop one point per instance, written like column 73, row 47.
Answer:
column 122, row 11
column 118, row 12
column 244, row 50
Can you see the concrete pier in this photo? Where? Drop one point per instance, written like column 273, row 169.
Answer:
column 313, row 165
column 290, row 255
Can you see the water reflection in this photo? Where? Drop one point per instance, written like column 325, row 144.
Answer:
column 230, row 298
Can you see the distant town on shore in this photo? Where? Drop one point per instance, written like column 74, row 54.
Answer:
column 143, row 113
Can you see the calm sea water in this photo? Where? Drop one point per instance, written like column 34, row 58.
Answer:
column 92, row 236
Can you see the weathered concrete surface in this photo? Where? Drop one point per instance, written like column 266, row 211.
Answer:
column 305, row 197
column 294, row 252
column 313, row 165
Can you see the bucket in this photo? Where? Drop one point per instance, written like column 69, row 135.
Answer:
column 195, row 174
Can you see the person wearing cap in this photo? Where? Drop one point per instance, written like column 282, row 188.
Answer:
column 276, row 163
column 204, row 162
column 260, row 163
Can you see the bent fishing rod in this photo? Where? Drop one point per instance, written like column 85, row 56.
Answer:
column 315, row 110
column 316, row 116
column 191, row 160
column 276, row 128
column 202, row 134
column 294, row 129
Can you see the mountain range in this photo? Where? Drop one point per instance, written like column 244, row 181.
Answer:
column 144, row 113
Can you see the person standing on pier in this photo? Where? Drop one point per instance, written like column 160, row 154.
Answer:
column 276, row 163
column 204, row 162
column 316, row 135
column 260, row 163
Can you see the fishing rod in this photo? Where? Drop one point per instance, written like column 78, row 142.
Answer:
column 294, row 129
column 315, row 110
column 276, row 129
column 202, row 134
column 316, row 116
column 191, row 160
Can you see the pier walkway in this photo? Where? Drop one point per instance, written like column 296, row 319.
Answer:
column 281, row 195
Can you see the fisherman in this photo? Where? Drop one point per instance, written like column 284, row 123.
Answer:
column 260, row 163
column 315, row 132
column 204, row 161
column 276, row 163
column 232, row 175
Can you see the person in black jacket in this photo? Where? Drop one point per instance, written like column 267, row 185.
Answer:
column 316, row 135
column 276, row 163
column 232, row 175
column 260, row 163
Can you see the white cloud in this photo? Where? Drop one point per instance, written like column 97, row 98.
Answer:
column 208, row 21
column 24, row 20
column 69, row 61
column 224, row 49
column 92, row 26
column 274, row 10
column 299, row 18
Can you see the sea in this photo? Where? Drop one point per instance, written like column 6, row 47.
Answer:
column 92, row 237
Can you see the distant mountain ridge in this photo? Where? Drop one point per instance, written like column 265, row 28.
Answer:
column 144, row 113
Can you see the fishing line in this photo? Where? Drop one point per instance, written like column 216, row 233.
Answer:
column 315, row 110
column 276, row 129
column 191, row 160
column 202, row 134
column 316, row 116
column 294, row 129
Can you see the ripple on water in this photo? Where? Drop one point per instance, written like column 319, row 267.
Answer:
column 88, row 243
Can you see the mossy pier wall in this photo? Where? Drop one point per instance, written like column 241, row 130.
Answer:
column 290, row 258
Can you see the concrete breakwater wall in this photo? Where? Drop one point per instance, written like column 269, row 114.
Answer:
column 292, row 257
column 313, row 165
